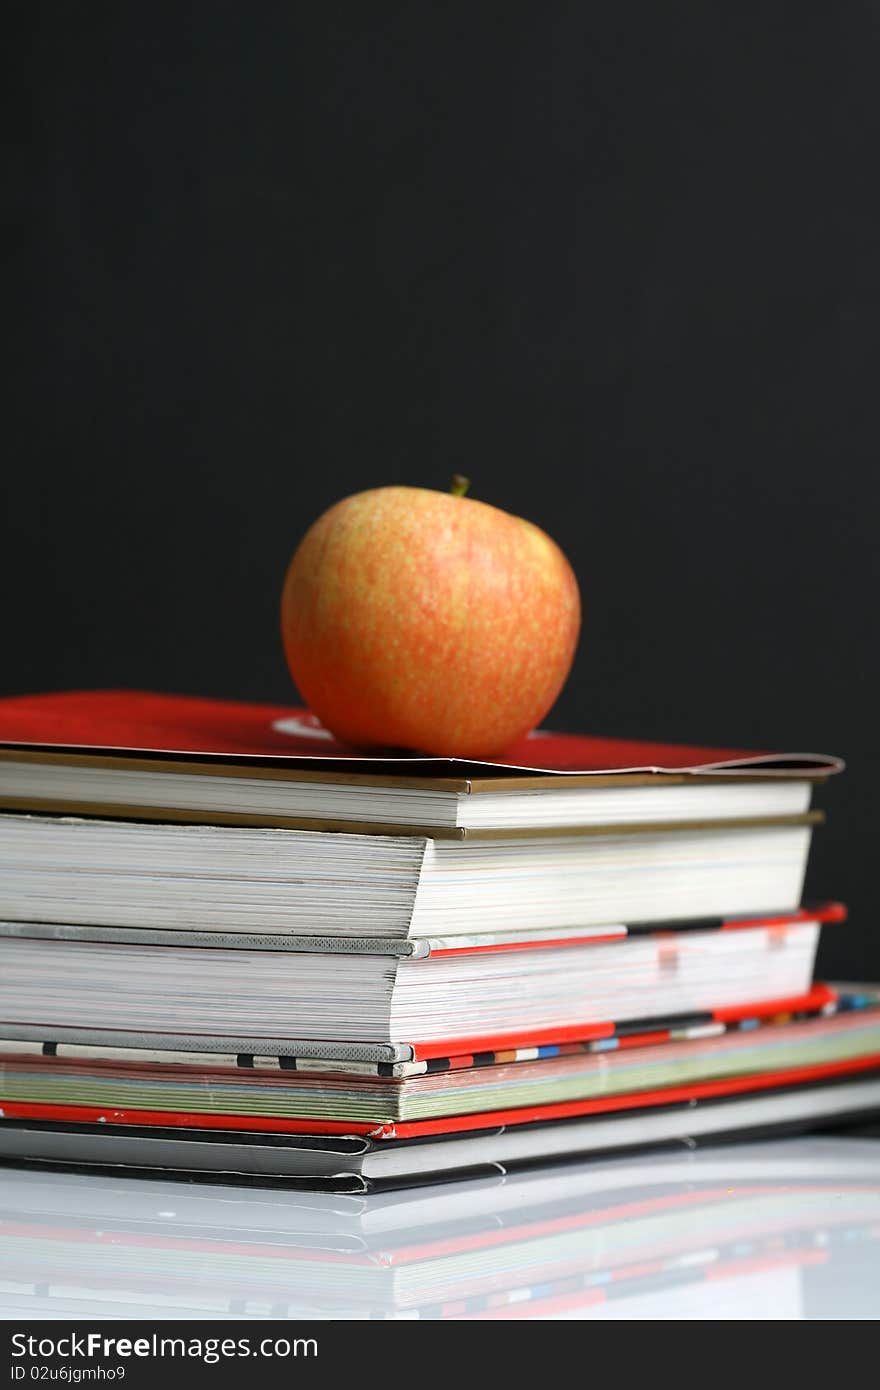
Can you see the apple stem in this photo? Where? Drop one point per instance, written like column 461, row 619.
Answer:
column 459, row 485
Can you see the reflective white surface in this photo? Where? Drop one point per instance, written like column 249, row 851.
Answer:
column 789, row 1229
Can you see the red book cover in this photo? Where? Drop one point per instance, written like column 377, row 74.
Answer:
column 137, row 722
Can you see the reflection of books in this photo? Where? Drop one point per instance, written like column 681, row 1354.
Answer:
column 686, row 1235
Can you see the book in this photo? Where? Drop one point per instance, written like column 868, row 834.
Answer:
column 308, row 883
column 177, row 758
column 748, row 1107
column 124, row 1046
column 408, row 1005
column 139, row 721
column 130, row 1086
column 444, row 808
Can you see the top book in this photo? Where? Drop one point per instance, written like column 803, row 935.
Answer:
column 130, row 753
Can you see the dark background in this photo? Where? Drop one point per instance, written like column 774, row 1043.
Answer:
column 617, row 263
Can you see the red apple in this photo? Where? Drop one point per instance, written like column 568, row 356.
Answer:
column 426, row 620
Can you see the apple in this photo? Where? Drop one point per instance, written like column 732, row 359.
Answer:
column 428, row 621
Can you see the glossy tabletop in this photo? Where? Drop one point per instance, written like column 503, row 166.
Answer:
column 789, row 1229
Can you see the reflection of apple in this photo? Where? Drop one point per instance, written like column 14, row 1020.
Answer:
column 425, row 620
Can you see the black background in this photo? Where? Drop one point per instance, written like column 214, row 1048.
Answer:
column 619, row 264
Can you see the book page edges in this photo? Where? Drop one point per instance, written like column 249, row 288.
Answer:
column 171, row 816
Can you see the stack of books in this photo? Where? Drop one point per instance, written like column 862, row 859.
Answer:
column 229, row 946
